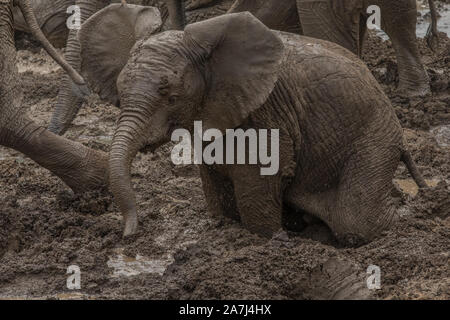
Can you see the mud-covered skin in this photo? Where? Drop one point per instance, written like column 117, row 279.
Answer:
column 340, row 22
column 46, row 230
column 79, row 167
column 344, row 22
column 68, row 103
column 51, row 16
column 338, row 131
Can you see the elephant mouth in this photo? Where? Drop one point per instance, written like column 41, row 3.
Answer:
column 155, row 142
column 152, row 146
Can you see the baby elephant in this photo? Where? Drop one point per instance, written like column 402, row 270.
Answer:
column 339, row 139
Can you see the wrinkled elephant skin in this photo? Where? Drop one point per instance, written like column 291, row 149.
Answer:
column 338, row 131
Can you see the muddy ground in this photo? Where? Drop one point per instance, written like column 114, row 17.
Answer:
column 182, row 252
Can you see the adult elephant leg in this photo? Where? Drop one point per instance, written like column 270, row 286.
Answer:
column 68, row 104
column 398, row 19
column 337, row 21
column 176, row 14
column 275, row 14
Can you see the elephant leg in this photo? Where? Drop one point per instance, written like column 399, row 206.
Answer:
column 363, row 209
column 398, row 19
column 362, row 31
column 68, row 104
column 219, row 193
column 177, row 14
column 275, row 14
column 259, row 200
column 335, row 22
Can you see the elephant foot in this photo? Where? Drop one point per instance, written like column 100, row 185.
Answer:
column 131, row 226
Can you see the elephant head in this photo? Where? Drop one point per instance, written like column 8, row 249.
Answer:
column 68, row 104
column 217, row 71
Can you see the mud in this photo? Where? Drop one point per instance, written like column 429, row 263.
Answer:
column 182, row 252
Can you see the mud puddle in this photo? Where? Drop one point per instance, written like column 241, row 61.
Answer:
column 128, row 266
column 424, row 21
column 181, row 252
column 442, row 135
column 443, row 22
column 409, row 186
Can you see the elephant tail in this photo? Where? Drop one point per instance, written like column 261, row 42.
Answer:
column 412, row 167
column 432, row 35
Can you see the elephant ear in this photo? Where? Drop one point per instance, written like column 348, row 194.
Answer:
column 106, row 40
column 240, row 58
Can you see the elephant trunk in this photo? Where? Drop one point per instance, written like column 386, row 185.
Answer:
column 128, row 140
column 68, row 104
column 30, row 18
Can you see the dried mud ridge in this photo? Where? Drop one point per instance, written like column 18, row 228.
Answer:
column 181, row 252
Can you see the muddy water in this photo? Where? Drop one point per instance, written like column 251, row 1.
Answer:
column 443, row 21
column 425, row 20
column 128, row 266
column 183, row 253
column 442, row 135
column 409, row 186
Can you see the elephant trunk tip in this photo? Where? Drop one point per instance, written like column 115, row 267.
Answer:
column 121, row 187
column 131, row 225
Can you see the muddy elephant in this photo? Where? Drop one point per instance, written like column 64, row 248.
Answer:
column 344, row 25
column 340, row 141
column 51, row 16
column 344, row 22
column 78, row 166
column 68, row 104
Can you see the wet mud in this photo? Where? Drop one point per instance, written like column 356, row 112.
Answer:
column 181, row 252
